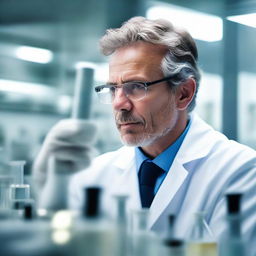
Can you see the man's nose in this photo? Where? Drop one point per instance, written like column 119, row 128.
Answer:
column 121, row 101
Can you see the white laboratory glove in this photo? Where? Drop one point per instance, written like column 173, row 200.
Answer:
column 70, row 142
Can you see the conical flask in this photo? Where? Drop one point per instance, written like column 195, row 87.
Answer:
column 201, row 241
column 200, row 230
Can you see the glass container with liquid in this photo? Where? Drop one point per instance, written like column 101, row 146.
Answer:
column 201, row 241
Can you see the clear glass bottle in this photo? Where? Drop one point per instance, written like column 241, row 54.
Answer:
column 201, row 241
column 231, row 242
column 93, row 233
column 172, row 246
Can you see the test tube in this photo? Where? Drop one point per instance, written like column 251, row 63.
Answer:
column 83, row 91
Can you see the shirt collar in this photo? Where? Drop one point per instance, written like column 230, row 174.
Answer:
column 165, row 159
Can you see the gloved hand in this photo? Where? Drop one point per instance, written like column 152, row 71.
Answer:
column 70, row 142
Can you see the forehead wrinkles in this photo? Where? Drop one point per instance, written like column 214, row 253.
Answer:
column 139, row 59
column 133, row 53
column 131, row 71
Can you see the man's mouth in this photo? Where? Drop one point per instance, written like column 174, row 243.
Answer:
column 128, row 124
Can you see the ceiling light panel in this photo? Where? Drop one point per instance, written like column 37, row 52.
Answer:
column 200, row 25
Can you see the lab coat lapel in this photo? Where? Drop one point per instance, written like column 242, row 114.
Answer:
column 196, row 145
column 127, row 181
column 167, row 190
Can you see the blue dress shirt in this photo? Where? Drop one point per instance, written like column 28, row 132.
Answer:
column 164, row 160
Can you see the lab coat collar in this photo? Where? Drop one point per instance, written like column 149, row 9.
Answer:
column 200, row 133
column 126, row 157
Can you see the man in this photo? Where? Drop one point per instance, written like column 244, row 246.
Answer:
column 152, row 86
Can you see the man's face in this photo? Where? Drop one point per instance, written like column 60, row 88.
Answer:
column 144, row 122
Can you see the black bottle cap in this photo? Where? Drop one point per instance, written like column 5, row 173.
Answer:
column 171, row 220
column 174, row 242
column 91, row 202
column 233, row 202
column 28, row 211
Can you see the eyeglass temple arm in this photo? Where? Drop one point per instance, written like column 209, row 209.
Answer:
column 160, row 80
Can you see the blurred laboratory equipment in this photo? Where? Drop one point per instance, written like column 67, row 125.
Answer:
column 6, row 179
column 20, row 234
column 27, row 235
column 19, row 192
column 144, row 241
column 90, row 232
column 94, row 233
column 232, row 242
column 17, row 169
column 2, row 137
column 172, row 245
column 20, row 146
column 122, row 227
column 201, row 240
column 13, row 192
column 171, row 227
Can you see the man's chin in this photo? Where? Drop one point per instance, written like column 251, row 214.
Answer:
column 135, row 141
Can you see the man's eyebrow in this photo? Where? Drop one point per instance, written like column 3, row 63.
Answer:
column 111, row 83
column 127, row 81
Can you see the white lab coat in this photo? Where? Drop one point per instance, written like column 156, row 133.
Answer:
column 206, row 166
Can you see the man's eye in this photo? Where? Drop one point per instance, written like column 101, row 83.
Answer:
column 136, row 86
column 112, row 89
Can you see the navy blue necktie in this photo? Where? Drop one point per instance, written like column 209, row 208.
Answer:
column 148, row 174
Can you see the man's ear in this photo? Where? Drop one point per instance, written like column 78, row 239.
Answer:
column 185, row 93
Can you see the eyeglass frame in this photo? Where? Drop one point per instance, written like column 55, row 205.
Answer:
column 146, row 84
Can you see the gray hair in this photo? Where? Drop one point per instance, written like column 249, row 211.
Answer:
column 181, row 57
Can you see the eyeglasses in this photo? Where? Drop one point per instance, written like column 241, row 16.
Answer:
column 134, row 91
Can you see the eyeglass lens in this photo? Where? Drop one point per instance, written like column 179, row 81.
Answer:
column 133, row 91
